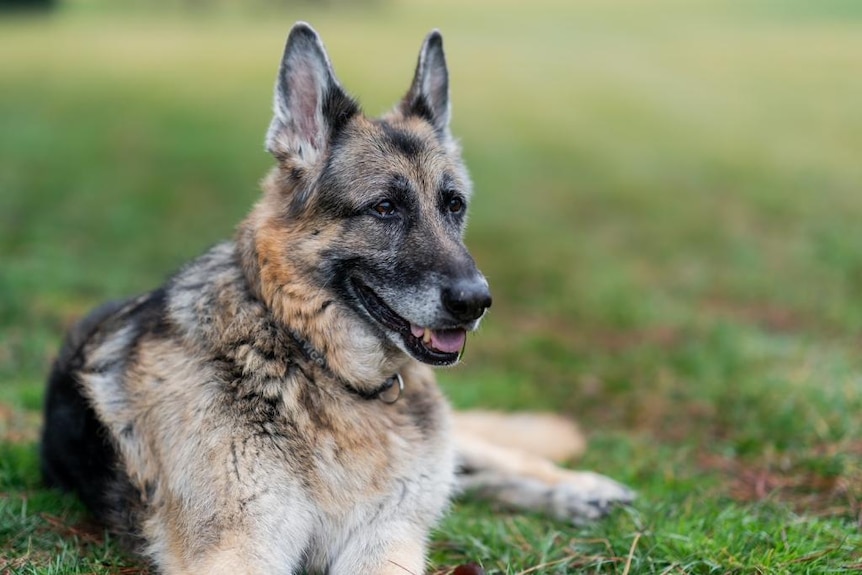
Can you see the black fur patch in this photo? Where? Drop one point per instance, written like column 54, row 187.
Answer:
column 338, row 109
column 152, row 314
column 420, row 108
column 76, row 452
column 402, row 141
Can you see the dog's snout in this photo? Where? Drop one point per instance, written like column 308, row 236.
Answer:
column 467, row 300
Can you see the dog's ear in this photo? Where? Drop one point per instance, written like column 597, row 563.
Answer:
column 310, row 105
column 428, row 96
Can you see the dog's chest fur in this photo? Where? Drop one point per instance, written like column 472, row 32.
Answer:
column 199, row 377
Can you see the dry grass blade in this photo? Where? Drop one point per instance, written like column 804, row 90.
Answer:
column 631, row 554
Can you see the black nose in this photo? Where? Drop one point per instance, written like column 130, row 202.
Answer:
column 467, row 300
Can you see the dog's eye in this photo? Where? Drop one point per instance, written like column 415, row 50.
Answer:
column 455, row 205
column 384, row 208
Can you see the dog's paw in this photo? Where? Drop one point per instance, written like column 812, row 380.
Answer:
column 583, row 496
column 573, row 496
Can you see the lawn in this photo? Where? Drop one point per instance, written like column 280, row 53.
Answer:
column 668, row 207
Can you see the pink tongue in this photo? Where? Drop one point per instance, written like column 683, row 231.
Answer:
column 448, row 340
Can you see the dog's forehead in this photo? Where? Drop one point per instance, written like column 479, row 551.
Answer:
column 377, row 149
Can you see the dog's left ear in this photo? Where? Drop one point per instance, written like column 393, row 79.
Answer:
column 428, row 96
column 310, row 105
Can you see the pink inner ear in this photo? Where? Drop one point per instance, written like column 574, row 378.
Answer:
column 304, row 98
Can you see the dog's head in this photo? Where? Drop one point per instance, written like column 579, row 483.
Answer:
column 376, row 208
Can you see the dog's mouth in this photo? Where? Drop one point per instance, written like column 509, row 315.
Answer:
column 432, row 346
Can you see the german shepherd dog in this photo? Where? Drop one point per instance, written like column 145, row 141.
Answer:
column 271, row 408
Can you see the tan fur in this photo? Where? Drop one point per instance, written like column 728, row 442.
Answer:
column 546, row 435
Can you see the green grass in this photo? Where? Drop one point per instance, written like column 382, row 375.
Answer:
column 667, row 207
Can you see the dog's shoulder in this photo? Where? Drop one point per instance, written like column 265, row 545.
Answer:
column 209, row 302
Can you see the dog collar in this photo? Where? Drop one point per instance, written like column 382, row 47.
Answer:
column 390, row 392
column 384, row 393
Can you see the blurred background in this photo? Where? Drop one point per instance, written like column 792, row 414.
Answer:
column 667, row 206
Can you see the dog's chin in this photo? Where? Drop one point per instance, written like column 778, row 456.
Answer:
column 438, row 347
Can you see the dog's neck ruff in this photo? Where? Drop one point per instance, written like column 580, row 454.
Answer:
column 388, row 392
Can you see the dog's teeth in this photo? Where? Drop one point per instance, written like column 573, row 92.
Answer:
column 427, row 337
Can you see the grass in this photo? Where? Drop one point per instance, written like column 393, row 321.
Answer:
column 667, row 208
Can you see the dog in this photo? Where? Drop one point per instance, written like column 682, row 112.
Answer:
column 272, row 408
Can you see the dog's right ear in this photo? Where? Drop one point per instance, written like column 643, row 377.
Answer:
column 310, row 105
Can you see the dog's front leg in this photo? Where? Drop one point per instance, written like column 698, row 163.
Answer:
column 268, row 539
column 398, row 551
column 237, row 554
